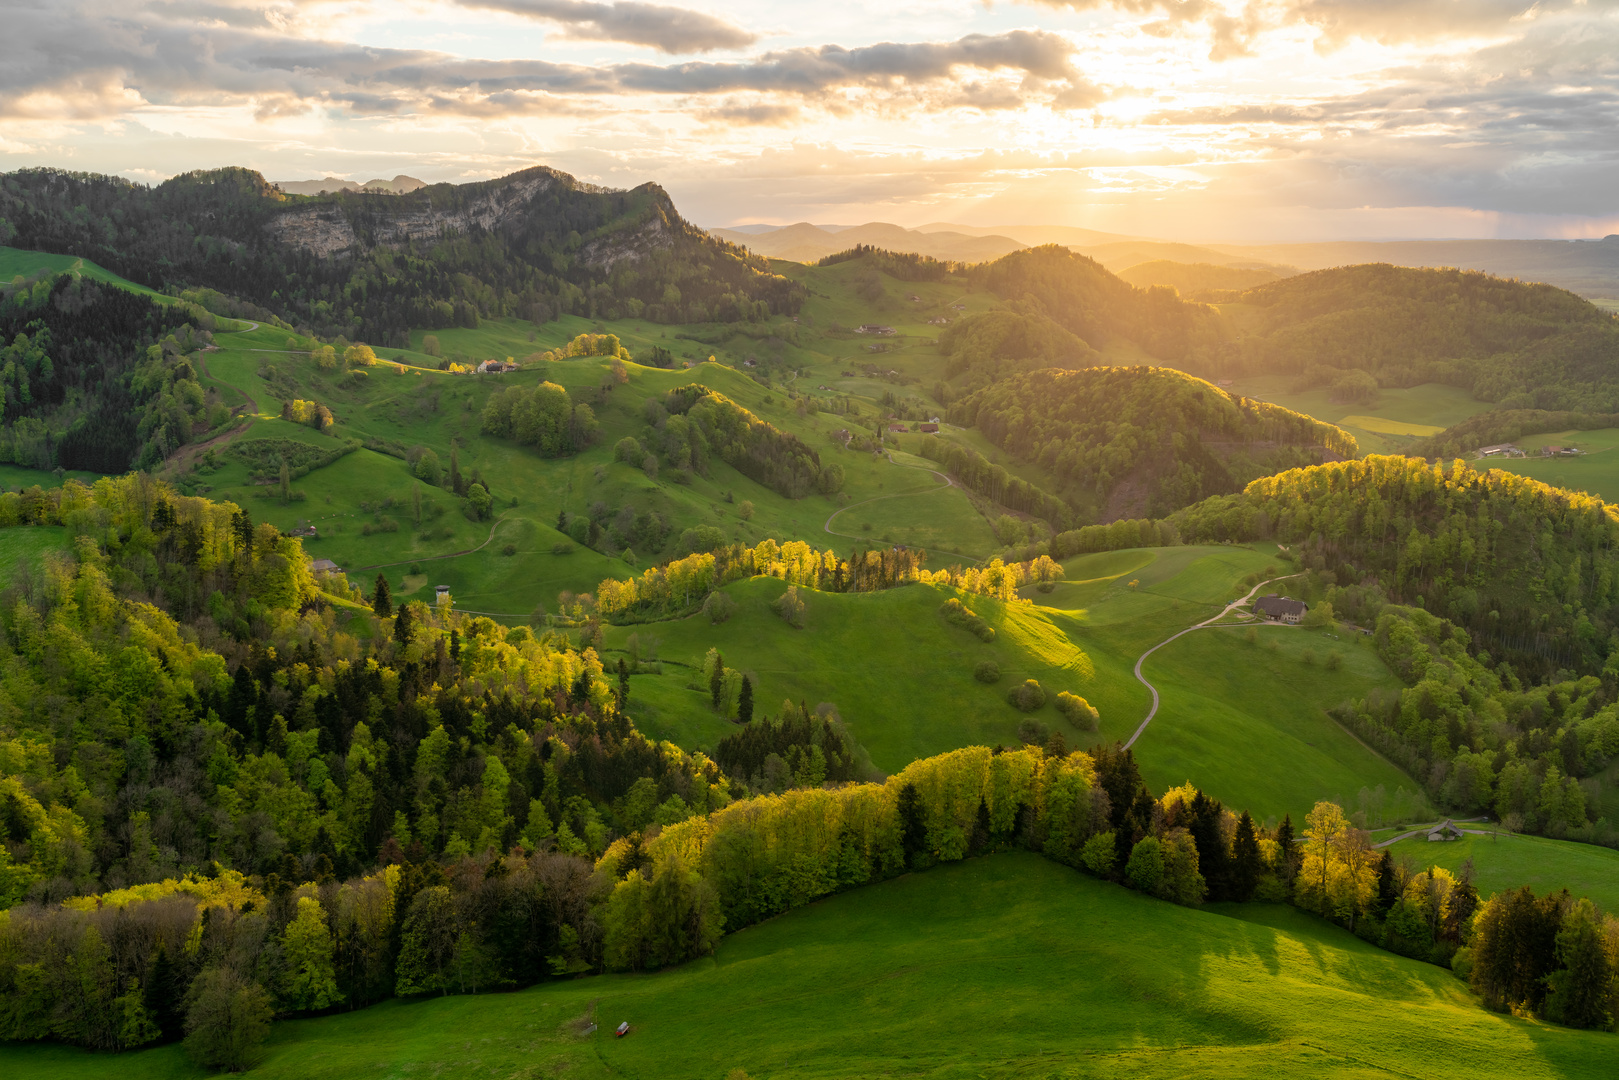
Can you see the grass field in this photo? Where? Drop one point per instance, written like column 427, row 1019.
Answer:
column 1506, row 861
column 1246, row 722
column 15, row 262
column 1006, row 966
column 1389, row 427
column 900, row 675
column 23, row 545
column 1396, row 418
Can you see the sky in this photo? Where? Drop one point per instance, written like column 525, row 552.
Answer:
column 1206, row 121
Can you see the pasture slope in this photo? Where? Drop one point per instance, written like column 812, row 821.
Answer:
column 1506, row 861
column 1000, row 966
column 1246, row 722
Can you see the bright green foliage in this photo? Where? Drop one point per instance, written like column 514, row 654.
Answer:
column 309, row 983
column 1098, row 854
column 1146, row 866
column 228, row 1019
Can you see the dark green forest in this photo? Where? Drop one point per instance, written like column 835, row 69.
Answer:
column 1151, row 440
column 95, row 377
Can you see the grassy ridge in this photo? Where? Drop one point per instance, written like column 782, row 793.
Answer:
column 1248, row 723
column 1001, row 966
column 15, row 261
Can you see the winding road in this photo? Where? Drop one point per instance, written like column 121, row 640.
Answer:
column 1229, row 608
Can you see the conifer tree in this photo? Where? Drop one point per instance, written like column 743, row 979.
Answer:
column 1246, row 864
column 1284, row 840
column 1388, row 889
column 716, row 681
column 744, row 701
column 457, row 484
column 165, row 994
column 1581, row 991
column 403, row 625
column 913, row 830
column 623, row 685
column 382, row 601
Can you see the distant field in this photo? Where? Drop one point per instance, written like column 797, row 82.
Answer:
column 1595, row 471
column 1397, row 417
column 1505, row 861
column 1388, row 427
column 1005, row 966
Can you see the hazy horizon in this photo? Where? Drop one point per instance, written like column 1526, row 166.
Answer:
column 1210, row 121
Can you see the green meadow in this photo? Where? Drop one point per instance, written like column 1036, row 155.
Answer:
column 1002, row 966
column 21, row 548
column 16, row 262
column 1506, row 861
column 1247, row 722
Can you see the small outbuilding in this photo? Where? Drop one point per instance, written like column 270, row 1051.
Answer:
column 325, row 566
column 623, row 1030
column 1280, row 608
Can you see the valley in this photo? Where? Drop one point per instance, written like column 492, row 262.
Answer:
column 723, row 665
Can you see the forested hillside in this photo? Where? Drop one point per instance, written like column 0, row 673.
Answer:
column 982, row 349
column 373, row 266
column 95, row 377
column 1530, row 571
column 1083, row 297
column 1523, row 345
column 1133, row 442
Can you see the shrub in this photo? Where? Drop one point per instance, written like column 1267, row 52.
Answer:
column 958, row 613
column 508, row 548
column 1335, row 660
column 562, row 547
column 790, row 607
column 718, row 607
column 987, row 671
column 1032, row 732
column 744, row 509
column 428, row 470
column 1027, row 697
column 649, row 465
column 1081, row 713
column 628, row 450
column 1099, row 854
column 1146, row 867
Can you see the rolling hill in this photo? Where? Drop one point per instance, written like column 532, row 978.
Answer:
column 973, row 968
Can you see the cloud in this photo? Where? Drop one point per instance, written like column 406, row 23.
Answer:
column 667, row 29
column 88, row 61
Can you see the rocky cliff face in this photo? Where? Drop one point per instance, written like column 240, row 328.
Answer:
column 508, row 206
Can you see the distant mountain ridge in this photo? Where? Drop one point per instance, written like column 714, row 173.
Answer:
column 808, row 243
column 399, row 185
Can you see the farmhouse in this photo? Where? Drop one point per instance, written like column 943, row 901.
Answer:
column 495, row 367
column 1280, row 608
column 325, row 566
column 874, row 328
column 1446, row 830
column 928, row 428
column 900, row 428
column 307, row 532
column 1499, row 450
column 1559, row 451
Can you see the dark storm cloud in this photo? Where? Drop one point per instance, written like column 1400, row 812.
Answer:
column 667, row 29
